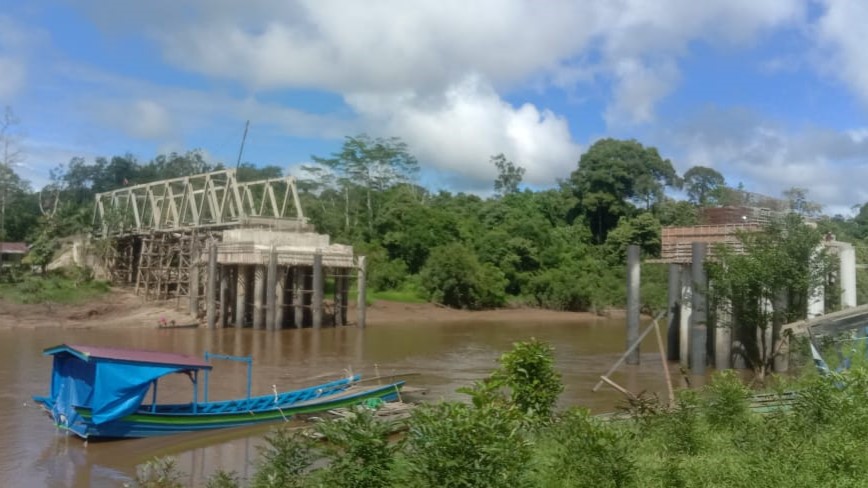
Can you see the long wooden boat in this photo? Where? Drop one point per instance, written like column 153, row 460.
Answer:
column 99, row 392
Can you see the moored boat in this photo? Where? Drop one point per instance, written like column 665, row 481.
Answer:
column 99, row 392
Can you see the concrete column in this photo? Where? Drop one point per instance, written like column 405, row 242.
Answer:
column 780, row 343
column 684, row 316
column 847, row 274
column 211, row 288
column 317, row 293
column 723, row 336
column 633, row 277
column 225, row 273
column 242, row 287
column 270, row 291
column 674, row 312
column 258, row 294
column 297, row 300
column 340, row 303
column 817, row 298
column 280, row 293
column 699, row 330
column 193, row 275
column 362, row 300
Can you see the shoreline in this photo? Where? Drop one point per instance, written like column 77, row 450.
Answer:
column 120, row 308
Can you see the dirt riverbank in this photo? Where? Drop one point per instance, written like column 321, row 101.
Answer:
column 121, row 309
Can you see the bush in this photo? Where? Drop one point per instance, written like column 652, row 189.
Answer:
column 528, row 371
column 358, row 451
column 454, row 277
column 284, row 460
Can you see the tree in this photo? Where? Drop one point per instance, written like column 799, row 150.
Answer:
column 702, row 185
column 365, row 166
column 11, row 156
column 509, row 175
column 799, row 203
column 782, row 265
column 454, row 277
column 614, row 173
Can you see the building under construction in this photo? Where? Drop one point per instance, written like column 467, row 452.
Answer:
column 233, row 253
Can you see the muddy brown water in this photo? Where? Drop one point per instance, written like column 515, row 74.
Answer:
column 437, row 357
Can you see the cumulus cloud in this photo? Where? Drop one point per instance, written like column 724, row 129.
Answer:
column 839, row 34
column 770, row 158
column 460, row 130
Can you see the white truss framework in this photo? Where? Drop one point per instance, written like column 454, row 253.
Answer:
column 213, row 199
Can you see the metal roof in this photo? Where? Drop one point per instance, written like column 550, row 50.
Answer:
column 13, row 248
column 88, row 353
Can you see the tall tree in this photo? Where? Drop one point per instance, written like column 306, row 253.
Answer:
column 703, row 185
column 11, row 156
column 367, row 166
column 614, row 173
column 509, row 175
column 799, row 203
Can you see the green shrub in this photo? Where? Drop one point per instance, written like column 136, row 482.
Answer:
column 158, row 473
column 358, row 451
column 529, row 374
column 454, row 277
column 284, row 460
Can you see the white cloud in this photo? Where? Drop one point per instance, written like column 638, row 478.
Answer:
column 840, row 34
column 770, row 158
column 462, row 129
column 12, row 77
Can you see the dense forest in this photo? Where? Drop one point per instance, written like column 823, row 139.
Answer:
column 560, row 248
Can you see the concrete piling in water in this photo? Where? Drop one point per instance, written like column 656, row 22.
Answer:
column 723, row 337
column 211, row 288
column 633, row 278
column 225, row 275
column 674, row 303
column 847, row 274
column 271, row 291
column 297, row 298
column 362, row 300
column 684, row 316
column 258, row 294
column 279, row 311
column 699, row 331
column 340, row 301
column 317, row 292
column 242, row 288
column 193, row 275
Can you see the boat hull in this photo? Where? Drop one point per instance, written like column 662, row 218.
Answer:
column 149, row 424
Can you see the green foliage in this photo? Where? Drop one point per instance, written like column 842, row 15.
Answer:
column 158, row 473
column 528, row 372
column 703, row 185
column 454, row 444
column 54, row 287
column 643, row 230
column 358, row 451
column 222, row 479
column 509, row 175
column 284, row 461
column 581, row 451
column 453, row 276
column 727, row 401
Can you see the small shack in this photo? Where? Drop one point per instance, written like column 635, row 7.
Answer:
column 11, row 253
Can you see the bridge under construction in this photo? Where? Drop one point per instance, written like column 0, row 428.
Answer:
column 233, row 253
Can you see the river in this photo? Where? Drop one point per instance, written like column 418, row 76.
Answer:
column 439, row 357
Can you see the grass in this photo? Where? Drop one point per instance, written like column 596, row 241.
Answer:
column 402, row 296
column 55, row 288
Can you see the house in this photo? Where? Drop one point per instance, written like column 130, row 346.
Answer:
column 12, row 252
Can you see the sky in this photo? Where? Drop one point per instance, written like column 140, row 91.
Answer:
column 773, row 94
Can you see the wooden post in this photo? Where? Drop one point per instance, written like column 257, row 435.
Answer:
column 633, row 277
column 362, row 300
column 270, row 291
column 317, row 294
column 193, row 275
column 211, row 288
column 297, row 301
column 699, row 330
column 258, row 293
column 242, row 279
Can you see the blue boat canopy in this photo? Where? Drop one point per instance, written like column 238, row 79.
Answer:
column 112, row 382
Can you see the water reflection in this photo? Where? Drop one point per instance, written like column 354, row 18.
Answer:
column 439, row 357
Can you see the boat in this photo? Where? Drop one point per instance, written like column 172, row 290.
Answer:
column 100, row 392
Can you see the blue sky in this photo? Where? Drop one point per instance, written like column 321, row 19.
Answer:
column 771, row 93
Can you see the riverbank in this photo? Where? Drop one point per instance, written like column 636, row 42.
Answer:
column 122, row 309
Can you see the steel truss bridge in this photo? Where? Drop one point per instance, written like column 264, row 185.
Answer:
column 203, row 201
